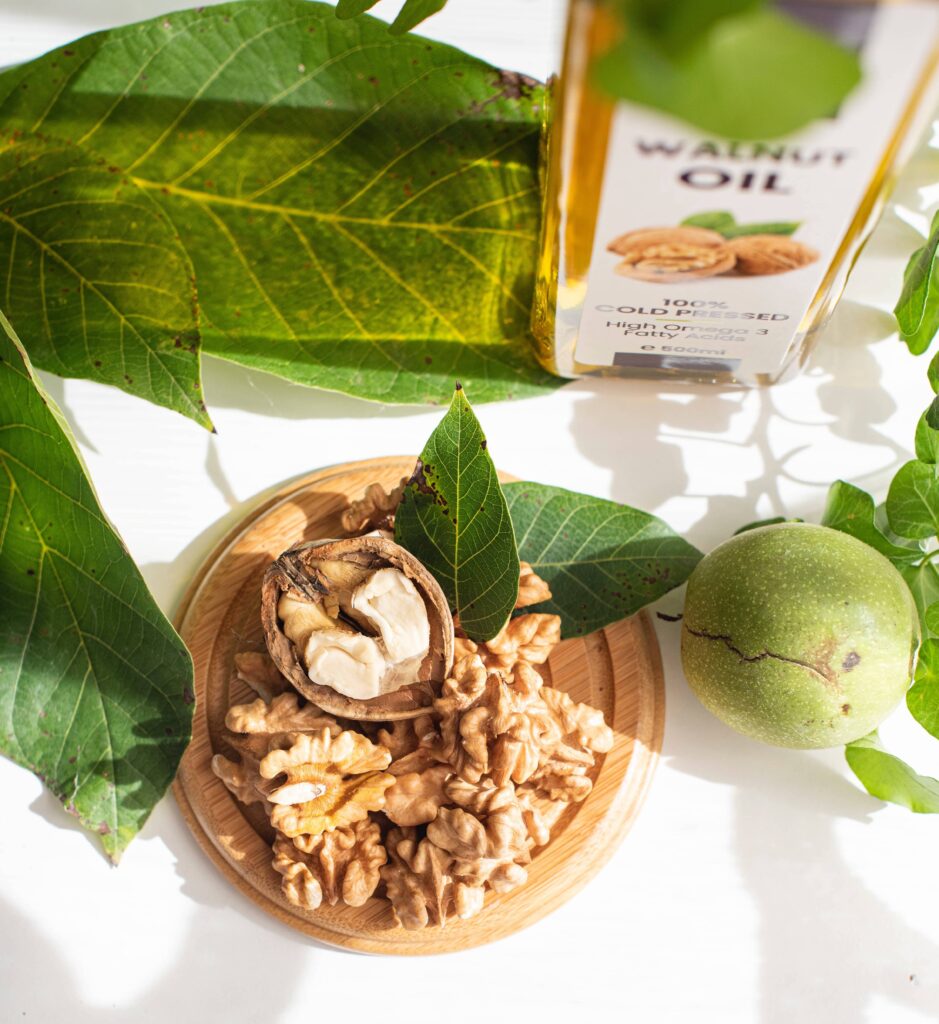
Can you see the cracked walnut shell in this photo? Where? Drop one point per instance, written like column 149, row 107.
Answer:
column 299, row 575
column 330, row 780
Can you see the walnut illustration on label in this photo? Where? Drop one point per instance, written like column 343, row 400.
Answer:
column 769, row 254
column 687, row 253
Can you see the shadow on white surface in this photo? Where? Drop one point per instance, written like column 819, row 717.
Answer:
column 823, row 933
column 229, row 385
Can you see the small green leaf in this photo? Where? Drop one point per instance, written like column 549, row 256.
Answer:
column 932, row 414
column 931, row 620
column 453, row 517
column 852, row 511
column 927, row 440
column 352, row 8
column 775, row 521
column 95, row 686
column 917, row 309
column 726, row 78
column 718, row 220
column 889, row 778
column 923, row 581
column 603, row 561
column 932, row 371
column 923, row 697
column 913, row 501
column 724, row 222
column 93, row 270
column 774, row 227
column 413, row 13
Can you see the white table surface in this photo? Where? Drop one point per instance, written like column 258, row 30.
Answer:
column 758, row 885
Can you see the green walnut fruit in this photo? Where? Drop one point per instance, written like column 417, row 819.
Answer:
column 798, row 635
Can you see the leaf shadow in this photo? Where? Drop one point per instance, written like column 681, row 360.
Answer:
column 44, row 986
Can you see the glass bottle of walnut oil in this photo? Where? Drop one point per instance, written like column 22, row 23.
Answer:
column 666, row 252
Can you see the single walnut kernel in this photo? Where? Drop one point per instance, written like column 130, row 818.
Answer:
column 490, row 725
column 375, row 510
column 342, row 865
column 415, row 798
column 261, row 674
column 532, row 589
column 242, row 780
column 418, row 883
column 770, row 254
column 330, row 781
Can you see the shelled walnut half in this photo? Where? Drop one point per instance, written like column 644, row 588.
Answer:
column 359, row 627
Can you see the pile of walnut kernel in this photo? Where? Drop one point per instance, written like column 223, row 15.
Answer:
column 437, row 808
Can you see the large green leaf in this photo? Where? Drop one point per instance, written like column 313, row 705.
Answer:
column 453, row 517
column 885, row 776
column 360, row 211
column 603, row 561
column 95, row 686
column 93, row 269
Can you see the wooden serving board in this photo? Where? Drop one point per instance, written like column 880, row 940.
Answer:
column 617, row 669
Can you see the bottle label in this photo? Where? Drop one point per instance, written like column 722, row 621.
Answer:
column 708, row 253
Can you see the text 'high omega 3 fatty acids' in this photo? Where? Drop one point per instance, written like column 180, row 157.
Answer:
column 668, row 252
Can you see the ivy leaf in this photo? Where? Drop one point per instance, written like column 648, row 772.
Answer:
column 927, row 441
column 923, row 696
column 453, row 517
column 95, row 686
column 603, row 561
column 923, row 581
column 889, row 778
column 852, row 511
column 361, row 212
column 94, row 270
column 725, row 79
column 411, row 14
column 913, row 501
column 917, row 309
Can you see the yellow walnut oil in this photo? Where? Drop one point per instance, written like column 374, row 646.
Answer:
column 615, row 298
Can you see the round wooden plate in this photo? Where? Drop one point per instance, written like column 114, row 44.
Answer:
column 617, row 669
